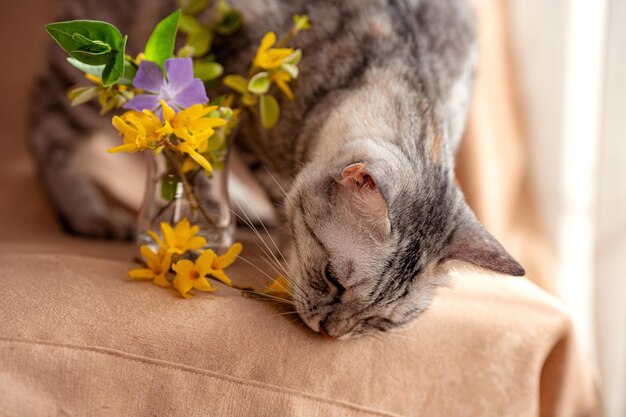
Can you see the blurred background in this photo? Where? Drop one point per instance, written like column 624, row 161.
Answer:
column 569, row 61
column 556, row 193
column 543, row 164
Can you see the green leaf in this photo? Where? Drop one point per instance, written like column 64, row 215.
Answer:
column 294, row 58
column 169, row 186
column 249, row 100
column 237, row 83
column 96, row 52
column 270, row 111
column 130, row 70
column 230, row 23
column 200, row 42
column 185, row 52
column 217, row 101
column 194, row 6
column 89, row 41
column 95, row 70
column 160, row 45
column 214, row 142
column 93, row 43
column 290, row 69
column 114, row 70
column 189, row 24
column 260, row 83
column 207, row 71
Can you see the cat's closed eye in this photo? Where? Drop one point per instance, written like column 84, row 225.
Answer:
column 332, row 280
column 380, row 323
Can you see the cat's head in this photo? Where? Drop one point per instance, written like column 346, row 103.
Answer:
column 374, row 234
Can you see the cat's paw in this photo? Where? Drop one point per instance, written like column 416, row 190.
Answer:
column 109, row 224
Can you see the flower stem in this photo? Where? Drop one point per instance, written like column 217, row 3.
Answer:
column 194, row 202
column 284, row 41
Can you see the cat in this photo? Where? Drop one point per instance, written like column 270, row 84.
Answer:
column 365, row 154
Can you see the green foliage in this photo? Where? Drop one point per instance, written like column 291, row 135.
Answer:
column 95, row 70
column 130, row 70
column 92, row 43
column 111, row 74
column 193, row 7
column 260, row 83
column 200, row 42
column 189, row 24
column 207, row 71
column 237, row 83
column 270, row 111
column 169, row 186
column 231, row 22
column 160, row 45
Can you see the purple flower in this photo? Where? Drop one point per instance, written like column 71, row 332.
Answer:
column 179, row 90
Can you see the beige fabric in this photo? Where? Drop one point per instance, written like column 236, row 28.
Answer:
column 77, row 338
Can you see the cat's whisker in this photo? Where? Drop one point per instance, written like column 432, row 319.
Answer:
column 264, row 227
column 279, row 268
column 286, row 313
column 294, row 287
column 272, row 240
column 263, row 272
column 254, row 229
column 268, row 297
column 399, row 336
column 277, row 183
column 256, row 267
column 383, row 343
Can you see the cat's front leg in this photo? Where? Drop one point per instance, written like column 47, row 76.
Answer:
column 62, row 140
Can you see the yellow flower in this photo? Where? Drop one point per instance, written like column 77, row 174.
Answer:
column 222, row 262
column 200, row 160
column 190, row 275
column 188, row 165
column 279, row 288
column 190, row 124
column 141, row 130
column 270, row 58
column 157, row 267
column 179, row 239
column 301, row 22
column 281, row 78
column 193, row 128
column 94, row 79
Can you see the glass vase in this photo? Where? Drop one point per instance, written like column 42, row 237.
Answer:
column 177, row 189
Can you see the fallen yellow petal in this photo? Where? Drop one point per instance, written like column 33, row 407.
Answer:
column 279, row 288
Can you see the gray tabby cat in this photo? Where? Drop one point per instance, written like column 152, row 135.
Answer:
column 366, row 152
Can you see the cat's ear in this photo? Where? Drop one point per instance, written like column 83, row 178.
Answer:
column 362, row 194
column 473, row 244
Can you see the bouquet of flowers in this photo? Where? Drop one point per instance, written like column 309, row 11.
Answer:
column 163, row 92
